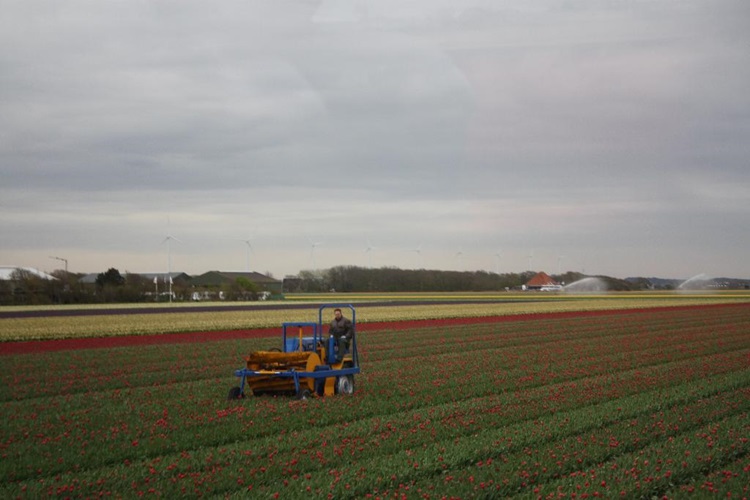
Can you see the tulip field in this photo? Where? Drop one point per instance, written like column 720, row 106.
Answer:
column 632, row 403
column 135, row 319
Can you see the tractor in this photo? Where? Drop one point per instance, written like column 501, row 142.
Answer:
column 308, row 363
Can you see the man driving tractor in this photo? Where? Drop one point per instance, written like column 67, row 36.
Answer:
column 342, row 329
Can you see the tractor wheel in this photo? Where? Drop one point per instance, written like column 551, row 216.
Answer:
column 235, row 393
column 345, row 384
column 304, row 394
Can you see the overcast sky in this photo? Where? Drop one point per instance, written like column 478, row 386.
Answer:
column 599, row 136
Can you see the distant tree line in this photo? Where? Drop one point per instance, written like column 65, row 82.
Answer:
column 26, row 288
column 111, row 286
column 348, row 279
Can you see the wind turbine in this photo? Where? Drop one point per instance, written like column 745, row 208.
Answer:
column 418, row 251
column 248, row 243
column 369, row 250
column 559, row 261
column 531, row 257
column 168, row 241
column 459, row 254
column 247, row 257
column 581, row 262
column 312, row 252
column 498, row 256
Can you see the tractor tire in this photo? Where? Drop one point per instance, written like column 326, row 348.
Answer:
column 345, row 385
column 234, row 393
column 304, row 394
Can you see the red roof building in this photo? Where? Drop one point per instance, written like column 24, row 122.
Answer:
column 540, row 280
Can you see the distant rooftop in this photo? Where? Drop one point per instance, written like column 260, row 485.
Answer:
column 541, row 279
column 7, row 271
column 90, row 278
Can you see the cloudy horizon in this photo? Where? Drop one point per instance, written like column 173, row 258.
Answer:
column 608, row 138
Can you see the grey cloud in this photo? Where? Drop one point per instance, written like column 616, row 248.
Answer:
column 606, row 125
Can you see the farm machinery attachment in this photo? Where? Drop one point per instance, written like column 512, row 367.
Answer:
column 309, row 362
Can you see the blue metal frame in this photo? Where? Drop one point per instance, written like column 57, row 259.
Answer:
column 323, row 374
column 317, row 335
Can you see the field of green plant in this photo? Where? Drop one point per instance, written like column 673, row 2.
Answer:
column 131, row 320
column 634, row 404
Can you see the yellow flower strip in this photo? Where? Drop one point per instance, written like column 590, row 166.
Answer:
column 47, row 328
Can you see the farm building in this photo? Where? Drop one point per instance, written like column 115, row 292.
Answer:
column 207, row 284
column 542, row 281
